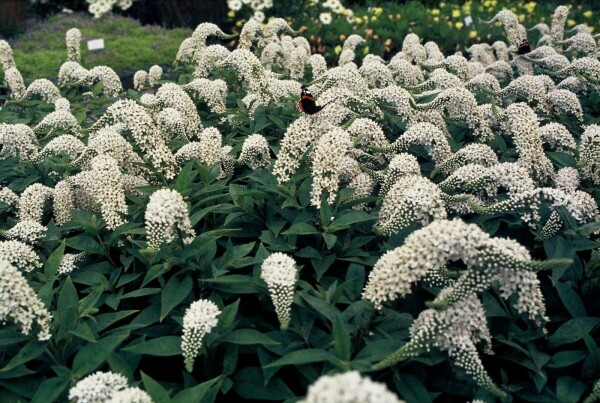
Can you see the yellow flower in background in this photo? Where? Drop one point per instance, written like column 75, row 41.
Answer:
column 530, row 7
column 378, row 11
column 239, row 23
column 459, row 25
column 521, row 17
column 450, row 24
column 588, row 14
column 231, row 14
column 388, row 42
column 436, row 19
column 366, row 50
column 442, row 5
column 472, row 34
column 358, row 20
column 592, row 29
column 435, row 11
column 455, row 13
column 398, row 16
column 466, row 8
column 570, row 22
column 338, row 49
column 374, row 18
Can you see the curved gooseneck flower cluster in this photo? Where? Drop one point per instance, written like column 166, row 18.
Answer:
column 412, row 198
column 198, row 321
column 19, row 302
column 488, row 260
column 166, row 217
column 279, row 272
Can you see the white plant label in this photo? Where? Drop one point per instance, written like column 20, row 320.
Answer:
column 468, row 20
column 95, row 44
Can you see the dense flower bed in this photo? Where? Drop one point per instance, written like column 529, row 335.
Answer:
column 429, row 234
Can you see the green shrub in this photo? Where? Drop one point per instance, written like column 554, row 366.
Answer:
column 41, row 50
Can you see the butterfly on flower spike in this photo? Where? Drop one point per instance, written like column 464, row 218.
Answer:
column 307, row 102
column 524, row 47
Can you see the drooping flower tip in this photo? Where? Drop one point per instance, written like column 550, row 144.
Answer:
column 198, row 320
column 279, row 272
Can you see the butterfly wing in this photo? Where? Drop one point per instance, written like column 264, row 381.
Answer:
column 308, row 105
column 524, row 47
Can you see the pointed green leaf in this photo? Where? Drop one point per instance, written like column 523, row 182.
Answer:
column 341, row 339
column 306, row 356
column 162, row 347
column 198, row 393
column 30, row 351
column 53, row 261
column 155, row 389
column 173, row 293
column 49, row 390
column 248, row 337
column 90, row 357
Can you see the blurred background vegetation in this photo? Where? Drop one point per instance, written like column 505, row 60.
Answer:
column 150, row 31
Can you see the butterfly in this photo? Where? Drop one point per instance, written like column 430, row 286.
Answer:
column 524, row 47
column 307, row 102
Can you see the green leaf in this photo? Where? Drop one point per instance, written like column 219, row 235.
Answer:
column 562, row 159
column 142, row 292
column 341, row 339
column 570, row 299
column 351, row 217
column 93, row 355
column 227, row 316
column 306, row 356
column 162, row 347
column 236, row 284
column 49, row 390
column 566, row 358
column 198, row 393
column 155, row 389
column 569, row 389
column 325, row 211
column 588, row 229
column 573, row 330
column 594, row 352
column 30, row 351
column 323, row 264
column 67, row 310
column 323, row 307
column 152, row 273
column 185, row 178
column 301, row 228
column 249, row 385
column 248, row 337
column 86, row 244
column 330, row 239
column 106, row 319
column 176, row 290
column 53, row 261
column 411, row 389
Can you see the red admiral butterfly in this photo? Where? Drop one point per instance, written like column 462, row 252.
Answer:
column 307, row 102
column 524, row 47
